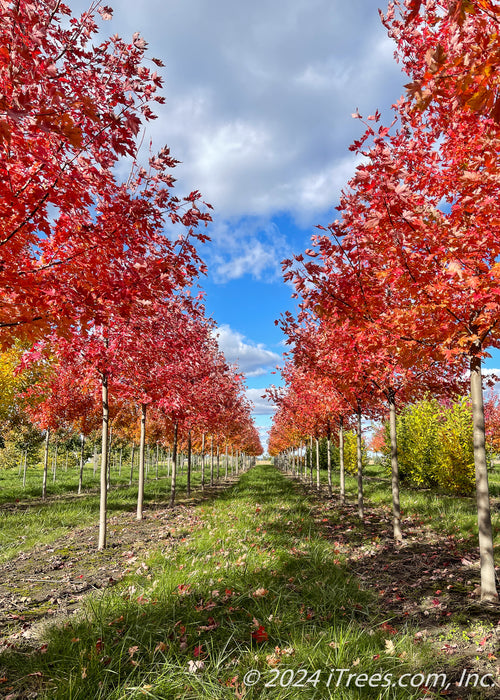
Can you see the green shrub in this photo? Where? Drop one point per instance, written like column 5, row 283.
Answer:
column 351, row 454
column 435, row 445
column 455, row 457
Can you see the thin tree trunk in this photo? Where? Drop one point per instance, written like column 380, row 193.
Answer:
column 488, row 584
column 361, row 511
column 226, row 465
column 157, row 460
column 211, row 460
column 120, row 462
column 341, row 460
column 45, row 464
column 396, row 508
column 95, row 458
column 140, row 491
column 103, row 504
column 218, row 462
column 80, row 478
column 203, row 462
column 174, row 467
column 188, row 486
column 311, row 459
column 318, row 481
column 329, row 460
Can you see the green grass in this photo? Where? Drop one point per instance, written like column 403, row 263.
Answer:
column 258, row 587
column 26, row 520
column 453, row 515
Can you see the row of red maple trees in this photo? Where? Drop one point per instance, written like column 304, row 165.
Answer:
column 98, row 256
column 401, row 294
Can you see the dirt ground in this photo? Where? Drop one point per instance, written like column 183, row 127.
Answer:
column 429, row 581
column 50, row 581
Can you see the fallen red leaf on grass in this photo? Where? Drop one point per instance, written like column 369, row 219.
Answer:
column 260, row 635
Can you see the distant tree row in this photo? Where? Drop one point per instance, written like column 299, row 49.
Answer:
column 400, row 296
column 97, row 270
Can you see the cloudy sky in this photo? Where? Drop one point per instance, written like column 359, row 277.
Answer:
column 259, row 97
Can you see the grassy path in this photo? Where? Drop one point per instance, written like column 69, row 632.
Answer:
column 255, row 586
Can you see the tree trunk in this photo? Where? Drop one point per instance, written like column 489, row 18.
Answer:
column 311, row 460
column 361, row 511
column 225, row 463
column 318, row 480
column 329, row 459
column 396, row 508
column 203, row 462
column 142, row 443
column 103, row 504
column 45, row 464
column 157, row 460
column 188, row 485
column 211, row 460
column 488, row 584
column 341, row 460
column 174, row 467
column 218, row 462
column 80, row 478
column 120, row 462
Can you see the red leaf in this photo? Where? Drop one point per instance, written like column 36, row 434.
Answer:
column 260, row 635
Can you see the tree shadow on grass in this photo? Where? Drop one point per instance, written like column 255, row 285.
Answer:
column 150, row 638
column 269, row 595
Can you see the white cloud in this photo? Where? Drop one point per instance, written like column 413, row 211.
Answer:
column 251, row 358
column 249, row 247
column 259, row 95
column 262, row 406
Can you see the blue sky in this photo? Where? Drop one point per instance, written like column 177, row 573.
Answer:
column 259, row 98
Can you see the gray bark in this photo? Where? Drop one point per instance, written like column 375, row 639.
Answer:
column 396, row 508
column 318, row 481
column 488, row 583
column 341, row 460
column 142, row 444
column 361, row 511
column 174, row 468
column 80, row 477
column 103, row 503
column 45, row 464
column 189, row 457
